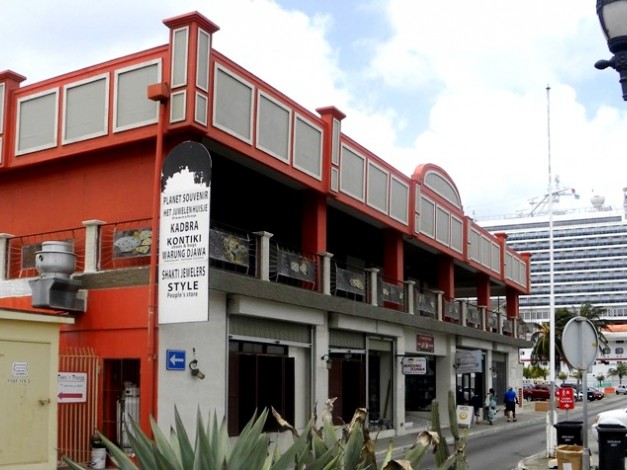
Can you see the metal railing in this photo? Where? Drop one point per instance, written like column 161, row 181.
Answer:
column 105, row 246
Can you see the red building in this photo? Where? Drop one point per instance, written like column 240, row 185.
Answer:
column 331, row 274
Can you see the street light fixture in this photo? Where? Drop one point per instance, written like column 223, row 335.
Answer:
column 613, row 17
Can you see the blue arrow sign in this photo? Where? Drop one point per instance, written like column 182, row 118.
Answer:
column 175, row 359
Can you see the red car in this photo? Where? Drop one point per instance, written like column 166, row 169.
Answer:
column 537, row 392
column 595, row 394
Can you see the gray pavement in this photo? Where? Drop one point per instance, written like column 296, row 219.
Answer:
column 526, row 414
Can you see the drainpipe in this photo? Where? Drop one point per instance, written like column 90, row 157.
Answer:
column 159, row 92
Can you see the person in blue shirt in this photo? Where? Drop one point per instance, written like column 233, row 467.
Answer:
column 511, row 400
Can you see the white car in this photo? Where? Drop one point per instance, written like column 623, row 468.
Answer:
column 618, row 416
column 621, row 389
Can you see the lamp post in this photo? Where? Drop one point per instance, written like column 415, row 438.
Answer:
column 613, row 17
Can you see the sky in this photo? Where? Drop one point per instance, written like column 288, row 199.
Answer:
column 501, row 94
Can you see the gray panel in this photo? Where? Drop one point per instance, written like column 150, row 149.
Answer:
column 427, row 217
column 233, row 103
column 399, row 201
column 346, row 339
column 495, row 257
column 177, row 106
column 133, row 106
column 352, row 174
column 377, row 188
column 2, row 91
column 475, row 246
column 509, row 266
column 179, row 57
column 379, row 345
column 202, row 66
column 308, row 148
column 335, row 150
column 37, row 122
column 85, row 110
column 443, row 226
column 457, row 230
column 274, row 128
column 201, row 109
column 271, row 329
column 443, row 187
column 485, row 251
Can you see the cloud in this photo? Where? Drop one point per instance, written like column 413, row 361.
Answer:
column 459, row 84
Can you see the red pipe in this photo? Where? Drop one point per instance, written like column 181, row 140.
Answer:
column 158, row 92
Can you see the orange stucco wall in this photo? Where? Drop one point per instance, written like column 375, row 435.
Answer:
column 64, row 193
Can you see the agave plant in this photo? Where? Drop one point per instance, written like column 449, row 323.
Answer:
column 314, row 448
column 443, row 458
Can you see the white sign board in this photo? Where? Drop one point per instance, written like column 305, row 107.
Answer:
column 467, row 361
column 464, row 416
column 72, row 387
column 414, row 365
column 184, row 235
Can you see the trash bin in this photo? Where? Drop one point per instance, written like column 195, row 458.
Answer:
column 569, row 457
column 569, row 432
column 611, row 446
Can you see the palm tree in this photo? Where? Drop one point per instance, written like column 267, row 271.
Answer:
column 594, row 315
column 541, row 348
column 620, row 371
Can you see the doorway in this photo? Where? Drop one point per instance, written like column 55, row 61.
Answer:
column 261, row 376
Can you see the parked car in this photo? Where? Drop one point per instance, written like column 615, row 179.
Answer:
column 618, row 416
column 577, row 393
column 595, row 394
column 621, row 389
column 537, row 392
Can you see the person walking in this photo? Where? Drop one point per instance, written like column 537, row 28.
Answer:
column 475, row 401
column 490, row 406
column 511, row 400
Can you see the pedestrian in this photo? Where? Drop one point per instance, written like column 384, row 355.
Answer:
column 490, row 406
column 475, row 401
column 511, row 400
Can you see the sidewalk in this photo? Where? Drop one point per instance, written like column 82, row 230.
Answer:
column 525, row 415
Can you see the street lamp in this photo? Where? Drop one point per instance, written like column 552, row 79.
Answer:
column 613, row 17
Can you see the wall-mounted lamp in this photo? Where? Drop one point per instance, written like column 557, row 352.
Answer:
column 457, row 364
column 193, row 367
column 493, row 370
column 328, row 361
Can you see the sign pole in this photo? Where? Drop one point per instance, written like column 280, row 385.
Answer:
column 580, row 343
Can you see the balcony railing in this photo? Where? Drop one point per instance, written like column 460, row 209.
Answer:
column 103, row 246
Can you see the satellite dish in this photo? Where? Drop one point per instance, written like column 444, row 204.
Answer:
column 597, row 201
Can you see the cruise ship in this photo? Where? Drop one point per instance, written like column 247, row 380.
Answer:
column 589, row 263
column 589, row 256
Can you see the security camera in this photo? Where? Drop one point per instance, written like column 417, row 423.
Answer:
column 195, row 371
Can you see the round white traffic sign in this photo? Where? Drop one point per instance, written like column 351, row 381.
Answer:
column 580, row 343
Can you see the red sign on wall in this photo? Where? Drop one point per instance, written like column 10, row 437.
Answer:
column 425, row 343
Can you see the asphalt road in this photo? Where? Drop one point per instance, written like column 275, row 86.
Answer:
column 504, row 445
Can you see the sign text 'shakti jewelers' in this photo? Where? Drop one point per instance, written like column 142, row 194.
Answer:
column 184, row 235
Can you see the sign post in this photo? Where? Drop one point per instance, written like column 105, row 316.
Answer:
column 580, row 343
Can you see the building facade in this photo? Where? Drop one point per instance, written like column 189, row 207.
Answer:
column 330, row 274
column 589, row 266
